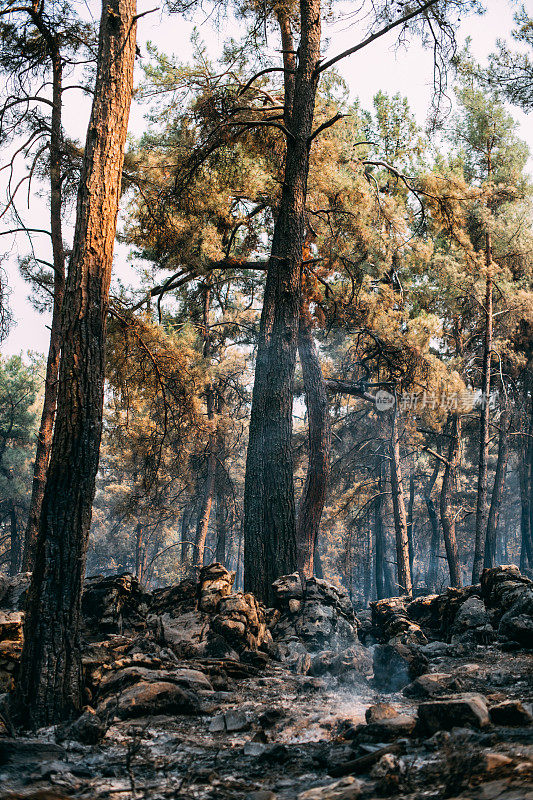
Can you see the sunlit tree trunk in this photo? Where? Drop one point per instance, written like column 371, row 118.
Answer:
column 49, row 687
column 398, row 505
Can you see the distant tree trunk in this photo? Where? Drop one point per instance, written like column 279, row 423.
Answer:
column 367, row 582
column 484, row 422
column 269, row 508
column 447, row 511
column 15, row 550
column 185, row 533
column 497, row 491
column 380, row 550
column 313, row 496
column 222, row 525
column 140, row 552
column 49, row 687
column 398, row 506
column 526, row 550
column 434, row 547
column 46, row 427
column 410, row 526
column 317, row 562
column 204, row 513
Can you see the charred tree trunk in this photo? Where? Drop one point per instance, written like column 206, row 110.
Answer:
column 447, row 511
column 269, row 508
column 482, row 509
column 44, row 438
column 497, row 491
column 222, row 527
column 185, row 533
column 204, row 513
column 49, row 688
column 410, row 524
column 313, row 497
column 398, row 505
column 526, row 551
column 383, row 589
column 140, row 552
column 434, row 547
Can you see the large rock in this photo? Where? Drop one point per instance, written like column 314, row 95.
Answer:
column 150, row 699
column 390, row 620
column 214, row 583
column 313, row 618
column 114, row 603
column 466, row 710
column 509, row 596
column 13, row 591
column 431, row 685
column 396, row 665
column 510, row 712
column 346, row 789
column 470, row 614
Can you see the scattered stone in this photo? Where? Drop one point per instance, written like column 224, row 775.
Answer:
column 510, row 712
column 380, row 711
column 431, row 685
column 236, row 721
column 396, row 665
column 459, row 711
column 386, row 730
column 347, row 788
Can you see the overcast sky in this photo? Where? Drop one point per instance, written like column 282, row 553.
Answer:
column 381, row 66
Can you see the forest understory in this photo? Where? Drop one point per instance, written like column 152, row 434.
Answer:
column 196, row 691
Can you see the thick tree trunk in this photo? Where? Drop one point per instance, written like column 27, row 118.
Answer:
column 497, row 491
column 434, row 547
column 398, row 505
column 447, row 511
column 204, row 513
column 313, row 496
column 269, row 512
column 44, row 438
column 49, row 687
column 482, row 509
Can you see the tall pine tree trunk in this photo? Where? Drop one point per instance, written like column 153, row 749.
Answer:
column 410, row 522
column 497, row 491
column 313, row 497
column 434, row 546
column 49, row 688
column 398, row 506
column 269, row 508
column 204, row 513
column 447, row 510
column 482, row 509
column 46, row 427
column 14, row 541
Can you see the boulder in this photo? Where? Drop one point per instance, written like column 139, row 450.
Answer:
column 150, row 699
column 509, row 596
column 214, row 583
column 13, row 590
column 390, row 620
column 396, row 665
column 431, row 685
column 459, row 711
column 114, row 603
column 510, row 712
column 87, row 729
column 470, row 614
column 387, row 729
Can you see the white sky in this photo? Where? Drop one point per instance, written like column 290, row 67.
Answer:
column 379, row 66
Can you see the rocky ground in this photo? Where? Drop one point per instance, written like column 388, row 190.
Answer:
column 198, row 692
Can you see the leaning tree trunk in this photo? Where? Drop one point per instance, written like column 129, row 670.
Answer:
column 482, row 509
column 49, row 687
column 398, row 506
column 447, row 511
column 46, row 427
column 313, row 496
column 269, row 508
column 497, row 491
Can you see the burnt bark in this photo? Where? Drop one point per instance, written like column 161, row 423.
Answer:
column 46, row 426
column 482, row 509
column 313, row 496
column 434, row 547
column 398, row 506
column 269, row 506
column 410, row 522
column 204, row 512
column 447, row 510
column 383, row 580
column 49, row 688
column 497, row 490
column 15, row 544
